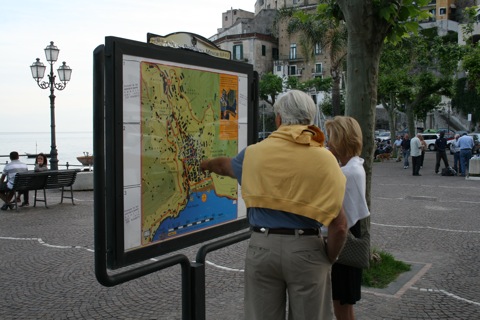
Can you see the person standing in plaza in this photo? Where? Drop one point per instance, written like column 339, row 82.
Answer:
column 405, row 150
column 424, row 148
column 8, row 176
column 292, row 185
column 441, row 147
column 465, row 143
column 345, row 141
column 416, row 153
column 397, row 145
column 455, row 150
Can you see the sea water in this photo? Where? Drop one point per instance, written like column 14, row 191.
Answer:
column 70, row 145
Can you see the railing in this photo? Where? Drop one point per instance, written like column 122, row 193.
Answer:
column 66, row 164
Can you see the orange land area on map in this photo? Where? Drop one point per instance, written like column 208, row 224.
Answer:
column 229, row 107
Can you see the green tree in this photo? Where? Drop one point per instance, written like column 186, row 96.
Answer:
column 467, row 90
column 471, row 65
column 317, row 84
column 415, row 72
column 270, row 86
column 369, row 23
column 466, row 100
column 321, row 29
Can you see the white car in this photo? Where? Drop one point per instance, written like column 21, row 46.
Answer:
column 430, row 140
column 382, row 136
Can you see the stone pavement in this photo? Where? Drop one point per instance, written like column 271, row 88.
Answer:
column 47, row 265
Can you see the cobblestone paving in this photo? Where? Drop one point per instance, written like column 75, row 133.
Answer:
column 47, row 262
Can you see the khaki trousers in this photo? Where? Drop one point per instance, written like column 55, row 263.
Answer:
column 293, row 265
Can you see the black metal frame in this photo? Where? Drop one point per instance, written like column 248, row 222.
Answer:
column 106, row 199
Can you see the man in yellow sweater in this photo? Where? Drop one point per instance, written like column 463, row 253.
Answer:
column 291, row 185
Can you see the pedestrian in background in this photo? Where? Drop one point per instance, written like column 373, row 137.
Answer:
column 397, row 145
column 465, row 143
column 291, row 185
column 345, row 141
column 405, row 150
column 424, row 148
column 441, row 147
column 416, row 153
column 455, row 150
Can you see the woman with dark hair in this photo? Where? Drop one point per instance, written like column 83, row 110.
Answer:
column 40, row 165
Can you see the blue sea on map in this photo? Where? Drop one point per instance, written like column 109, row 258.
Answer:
column 215, row 211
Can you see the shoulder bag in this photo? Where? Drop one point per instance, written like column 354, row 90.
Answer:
column 356, row 251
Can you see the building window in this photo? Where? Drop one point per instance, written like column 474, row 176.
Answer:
column 275, row 53
column 279, row 68
column 443, row 11
column 318, row 68
column 238, row 52
column 226, row 18
column 293, row 51
column 264, row 50
column 433, row 14
column 318, row 49
column 292, row 70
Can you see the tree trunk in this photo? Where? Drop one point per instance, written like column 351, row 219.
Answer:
column 336, row 110
column 364, row 49
column 411, row 121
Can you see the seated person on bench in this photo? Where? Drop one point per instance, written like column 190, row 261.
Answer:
column 40, row 165
column 8, row 176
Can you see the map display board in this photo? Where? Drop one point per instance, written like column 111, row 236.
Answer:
column 175, row 111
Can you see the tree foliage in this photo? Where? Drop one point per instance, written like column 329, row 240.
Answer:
column 320, row 29
column 415, row 72
column 317, row 84
column 270, row 86
column 467, row 100
column 471, row 65
column 369, row 23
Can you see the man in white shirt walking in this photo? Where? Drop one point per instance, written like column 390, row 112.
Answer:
column 416, row 153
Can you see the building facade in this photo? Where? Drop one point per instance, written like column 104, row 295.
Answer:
column 249, row 37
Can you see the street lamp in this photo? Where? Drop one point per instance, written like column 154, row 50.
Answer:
column 64, row 73
column 449, row 106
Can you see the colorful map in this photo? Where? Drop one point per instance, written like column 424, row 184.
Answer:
column 187, row 115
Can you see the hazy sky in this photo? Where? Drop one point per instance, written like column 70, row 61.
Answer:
column 77, row 28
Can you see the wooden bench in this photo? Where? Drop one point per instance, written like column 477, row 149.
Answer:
column 50, row 179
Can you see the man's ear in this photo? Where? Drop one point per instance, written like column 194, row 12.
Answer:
column 278, row 120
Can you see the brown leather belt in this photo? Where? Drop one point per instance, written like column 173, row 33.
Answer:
column 301, row 232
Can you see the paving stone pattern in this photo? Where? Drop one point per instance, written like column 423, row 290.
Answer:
column 47, row 262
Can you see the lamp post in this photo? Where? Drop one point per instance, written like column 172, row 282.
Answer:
column 64, row 73
column 449, row 106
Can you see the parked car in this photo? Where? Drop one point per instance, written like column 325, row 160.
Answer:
column 449, row 134
column 430, row 140
column 382, row 136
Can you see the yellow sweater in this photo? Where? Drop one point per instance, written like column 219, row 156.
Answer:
column 292, row 171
